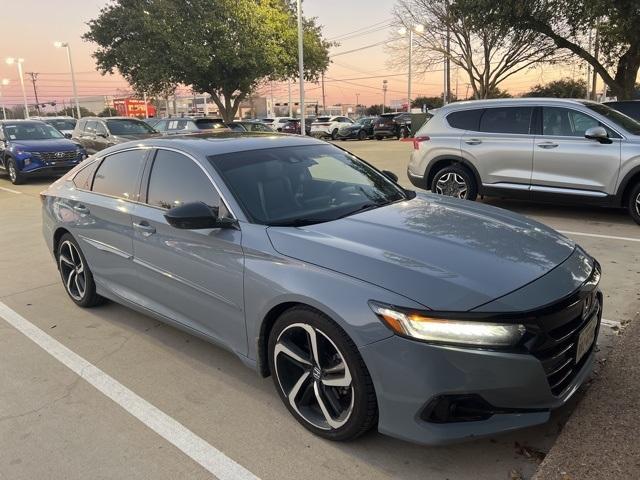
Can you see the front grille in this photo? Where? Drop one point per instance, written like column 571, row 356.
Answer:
column 555, row 342
column 57, row 156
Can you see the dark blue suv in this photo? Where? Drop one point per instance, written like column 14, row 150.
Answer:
column 33, row 148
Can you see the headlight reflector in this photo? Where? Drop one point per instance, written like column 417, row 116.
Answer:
column 467, row 332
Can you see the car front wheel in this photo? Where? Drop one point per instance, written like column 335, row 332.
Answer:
column 14, row 173
column 334, row 134
column 634, row 203
column 320, row 375
column 455, row 181
column 75, row 273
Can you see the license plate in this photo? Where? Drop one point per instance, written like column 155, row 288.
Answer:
column 586, row 338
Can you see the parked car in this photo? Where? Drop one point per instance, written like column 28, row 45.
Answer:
column 392, row 125
column 292, row 126
column 630, row 108
column 249, row 126
column 361, row 129
column 151, row 121
column 430, row 318
column 64, row 124
column 97, row 133
column 538, row 148
column 328, row 126
column 30, row 148
column 181, row 125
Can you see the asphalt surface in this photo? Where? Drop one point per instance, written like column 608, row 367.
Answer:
column 55, row 424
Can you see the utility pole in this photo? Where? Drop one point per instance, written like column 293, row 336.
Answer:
column 301, row 67
column 290, row 105
column 357, row 102
column 384, row 94
column 146, row 106
column 589, row 65
column 596, row 51
column 34, row 78
column 447, row 59
column 324, row 105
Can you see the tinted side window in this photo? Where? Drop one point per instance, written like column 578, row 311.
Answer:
column 101, row 129
column 506, row 120
column 465, row 120
column 568, row 123
column 176, row 180
column 118, row 174
column 90, row 127
column 84, row 177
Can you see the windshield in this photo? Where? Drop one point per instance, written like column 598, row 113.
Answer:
column 128, row 127
column 629, row 124
column 293, row 186
column 31, row 131
column 363, row 121
column 62, row 124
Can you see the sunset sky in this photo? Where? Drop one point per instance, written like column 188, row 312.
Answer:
column 31, row 26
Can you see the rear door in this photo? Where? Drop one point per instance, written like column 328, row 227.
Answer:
column 101, row 137
column 192, row 276
column 564, row 159
column 502, row 147
column 88, row 137
column 102, row 212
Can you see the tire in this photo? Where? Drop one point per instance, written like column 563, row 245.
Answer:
column 404, row 133
column 73, row 267
column 634, row 203
column 362, row 135
column 13, row 172
column 334, row 134
column 378, row 137
column 455, row 181
column 349, row 408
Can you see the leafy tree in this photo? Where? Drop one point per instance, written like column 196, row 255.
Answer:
column 430, row 102
column 563, row 88
column 567, row 24
column 71, row 112
column 487, row 52
column 375, row 110
column 498, row 93
column 223, row 48
column 108, row 112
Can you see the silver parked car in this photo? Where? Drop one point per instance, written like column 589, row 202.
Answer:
column 432, row 318
column 537, row 148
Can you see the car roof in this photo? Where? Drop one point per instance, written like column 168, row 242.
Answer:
column 221, row 142
column 513, row 102
column 20, row 120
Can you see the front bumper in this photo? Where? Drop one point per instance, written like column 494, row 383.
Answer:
column 49, row 170
column 408, row 374
column 351, row 134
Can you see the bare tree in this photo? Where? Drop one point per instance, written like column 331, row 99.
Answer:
column 487, row 53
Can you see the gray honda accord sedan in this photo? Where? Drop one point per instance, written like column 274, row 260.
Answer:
column 431, row 318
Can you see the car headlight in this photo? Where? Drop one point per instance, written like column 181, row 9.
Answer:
column 421, row 326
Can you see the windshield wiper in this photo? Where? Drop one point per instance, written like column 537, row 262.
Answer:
column 364, row 208
column 300, row 222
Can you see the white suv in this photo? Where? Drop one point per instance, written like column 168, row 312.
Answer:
column 329, row 126
column 536, row 148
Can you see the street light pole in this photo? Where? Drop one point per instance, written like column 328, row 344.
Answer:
column 19, row 61
column 357, row 102
column 301, row 67
column 418, row 29
column 3, row 82
column 73, row 75
column 384, row 94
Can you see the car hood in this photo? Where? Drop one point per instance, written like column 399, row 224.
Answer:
column 50, row 145
column 446, row 254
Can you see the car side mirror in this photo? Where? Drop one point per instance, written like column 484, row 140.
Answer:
column 67, row 135
column 390, row 175
column 597, row 133
column 197, row 216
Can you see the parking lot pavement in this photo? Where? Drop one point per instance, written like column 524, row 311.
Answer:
column 52, row 421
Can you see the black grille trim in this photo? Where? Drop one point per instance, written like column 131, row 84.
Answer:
column 53, row 156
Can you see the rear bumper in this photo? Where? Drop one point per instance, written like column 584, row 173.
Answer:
column 348, row 135
column 385, row 132
column 417, row 180
column 408, row 375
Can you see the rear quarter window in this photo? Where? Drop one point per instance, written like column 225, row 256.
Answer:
column 465, row 119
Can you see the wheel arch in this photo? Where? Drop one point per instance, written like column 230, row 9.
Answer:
column 438, row 163
column 630, row 179
column 57, row 235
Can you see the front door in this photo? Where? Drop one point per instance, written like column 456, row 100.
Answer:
column 192, row 276
column 565, row 159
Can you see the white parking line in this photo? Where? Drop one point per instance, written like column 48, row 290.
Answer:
column 171, row 430
column 611, row 323
column 595, row 235
column 10, row 191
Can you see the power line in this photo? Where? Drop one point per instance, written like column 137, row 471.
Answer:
column 377, row 24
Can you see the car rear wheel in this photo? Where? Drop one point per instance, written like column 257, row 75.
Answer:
column 634, row 203
column 320, row 375
column 76, row 275
column 455, row 181
column 362, row 135
column 14, row 173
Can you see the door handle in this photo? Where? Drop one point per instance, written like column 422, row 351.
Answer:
column 547, row 145
column 144, row 228
column 81, row 209
column 473, row 141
